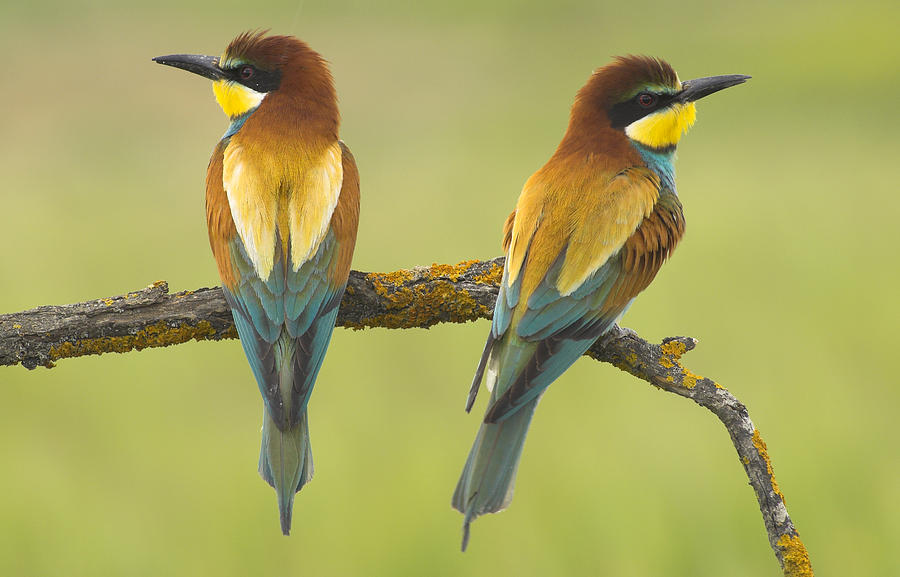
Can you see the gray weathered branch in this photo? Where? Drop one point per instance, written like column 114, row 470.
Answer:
column 420, row 297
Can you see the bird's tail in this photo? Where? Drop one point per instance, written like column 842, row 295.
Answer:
column 285, row 462
column 488, row 479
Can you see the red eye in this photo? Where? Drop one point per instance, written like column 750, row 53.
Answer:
column 247, row 72
column 646, row 100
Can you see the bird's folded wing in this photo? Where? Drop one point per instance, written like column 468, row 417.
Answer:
column 285, row 319
column 572, row 284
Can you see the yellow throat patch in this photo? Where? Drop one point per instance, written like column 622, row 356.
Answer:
column 664, row 128
column 236, row 99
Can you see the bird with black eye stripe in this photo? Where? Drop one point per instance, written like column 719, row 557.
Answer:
column 282, row 205
column 589, row 232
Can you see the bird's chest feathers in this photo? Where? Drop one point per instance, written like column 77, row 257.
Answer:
column 281, row 197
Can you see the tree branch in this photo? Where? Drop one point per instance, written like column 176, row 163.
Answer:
column 420, row 297
column 660, row 365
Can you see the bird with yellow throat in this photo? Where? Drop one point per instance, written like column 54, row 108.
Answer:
column 589, row 232
column 282, row 206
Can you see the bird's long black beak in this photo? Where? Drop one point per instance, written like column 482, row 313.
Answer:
column 206, row 66
column 696, row 89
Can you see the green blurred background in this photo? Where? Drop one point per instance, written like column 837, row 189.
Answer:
column 145, row 463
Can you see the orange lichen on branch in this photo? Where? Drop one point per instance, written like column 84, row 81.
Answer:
column 426, row 296
column 796, row 558
column 761, row 449
column 156, row 335
column 382, row 280
column 424, row 305
column 448, row 271
column 491, row 277
column 671, row 358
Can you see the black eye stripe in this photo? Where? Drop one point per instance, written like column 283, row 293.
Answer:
column 641, row 104
column 258, row 79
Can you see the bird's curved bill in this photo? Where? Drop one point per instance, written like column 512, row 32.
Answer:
column 206, row 66
column 696, row 89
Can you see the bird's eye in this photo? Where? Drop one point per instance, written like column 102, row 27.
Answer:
column 646, row 100
column 246, row 72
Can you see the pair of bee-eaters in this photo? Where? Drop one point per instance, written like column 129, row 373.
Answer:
column 590, row 231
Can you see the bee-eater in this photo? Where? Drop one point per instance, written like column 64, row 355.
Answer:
column 590, row 231
column 282, row 206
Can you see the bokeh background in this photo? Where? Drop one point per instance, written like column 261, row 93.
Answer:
column 145, row 463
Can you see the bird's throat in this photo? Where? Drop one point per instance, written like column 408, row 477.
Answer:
column 236, row 99
column 663, row 129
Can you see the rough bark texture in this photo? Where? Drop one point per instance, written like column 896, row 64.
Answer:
column 420, row 297
column 151, row 317
column 660, row 365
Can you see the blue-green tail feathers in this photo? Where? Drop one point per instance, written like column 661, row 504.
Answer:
column 285, row 462
column 488, row 479
column 517, row 372
column 285, row 324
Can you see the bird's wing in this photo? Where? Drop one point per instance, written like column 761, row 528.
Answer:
column 287, row 194
column 285, row 320
column 506, row 302
column 589, row 254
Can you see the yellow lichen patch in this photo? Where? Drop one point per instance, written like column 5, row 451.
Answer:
column 492, row 276
column 796, row 559
column 673, row 348
column 690, row 379
column 671, row 358
column 380, row 279
column 157, row 335
column 392, row 281
column 422, row 305
column 108, row 302
column 17, row 326
column 452, row 272
column 761, row 449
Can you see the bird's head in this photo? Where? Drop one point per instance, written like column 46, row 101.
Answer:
column 255, row 66
column 643, row 97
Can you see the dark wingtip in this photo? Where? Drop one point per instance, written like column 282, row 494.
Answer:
column 465, row 538
column 470, row 400
column 479, row 372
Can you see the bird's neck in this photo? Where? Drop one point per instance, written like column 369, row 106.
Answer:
column 236, row 123
column 590, row 136
column 660, row 161
column 284, row 118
